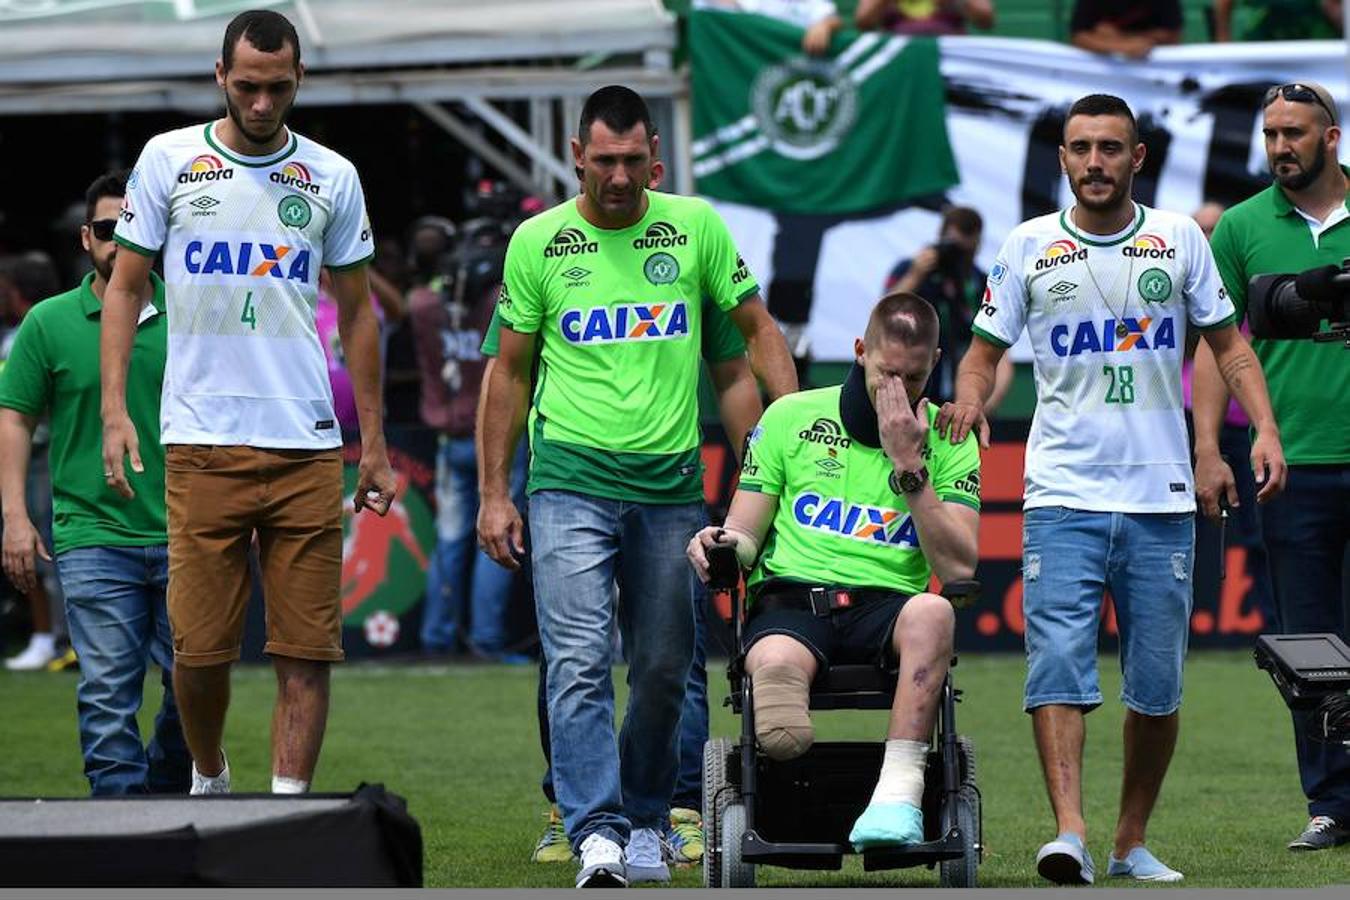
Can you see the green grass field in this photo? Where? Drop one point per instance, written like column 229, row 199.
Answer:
column 459, row 743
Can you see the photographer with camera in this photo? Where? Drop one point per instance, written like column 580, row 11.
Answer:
column 1297, row 223
column 945, row 274
column 450, row 315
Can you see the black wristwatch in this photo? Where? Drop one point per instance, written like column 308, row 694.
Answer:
column 909, row 482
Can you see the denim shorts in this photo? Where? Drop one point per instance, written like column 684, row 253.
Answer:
column 1070, row 557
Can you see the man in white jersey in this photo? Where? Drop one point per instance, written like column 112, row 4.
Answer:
column 246, row 213
column 1106, row 290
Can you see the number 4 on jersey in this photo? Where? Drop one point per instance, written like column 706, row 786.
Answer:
column 250, row 314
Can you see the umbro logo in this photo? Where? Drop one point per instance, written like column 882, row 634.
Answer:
column 204, row 204
column 1062, row 287
column 576, row 276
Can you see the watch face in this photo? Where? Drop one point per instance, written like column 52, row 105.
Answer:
column 908, row 482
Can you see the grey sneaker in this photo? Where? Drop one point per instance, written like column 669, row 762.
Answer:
column 601, row 864
column 644, row 858
column 214, row 784
column 1322, row 833
column 1065, row 860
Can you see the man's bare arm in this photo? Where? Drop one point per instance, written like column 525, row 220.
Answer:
column 769, row 356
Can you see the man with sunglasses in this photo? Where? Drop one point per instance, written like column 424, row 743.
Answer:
column 1299, row 222
column 111, row 553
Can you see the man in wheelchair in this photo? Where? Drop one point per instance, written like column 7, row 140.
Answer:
column 848, row 503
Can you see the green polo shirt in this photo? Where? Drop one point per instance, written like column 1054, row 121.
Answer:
column 53, row 368
column 1309, row 382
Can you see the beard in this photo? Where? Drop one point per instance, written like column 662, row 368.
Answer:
column 103, row 267
column 1305, row 175
column 256, row 137
column 1119, row 196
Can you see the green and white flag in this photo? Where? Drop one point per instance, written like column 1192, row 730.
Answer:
column 861, row 129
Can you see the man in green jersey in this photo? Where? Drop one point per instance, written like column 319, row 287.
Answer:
column 848, row 503
column 111, row 552
column 1299, row 222
column 609, row 285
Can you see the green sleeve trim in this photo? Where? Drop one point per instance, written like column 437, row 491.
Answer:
column 517, row 329
column 20, row 406
column 752, row 487
column 347, row 267
column 996, row 341
column 962, row 499
column 133, row 247
column 740, row 298
column 1223, row 323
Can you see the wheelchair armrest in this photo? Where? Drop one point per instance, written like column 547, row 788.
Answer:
column 963, row 593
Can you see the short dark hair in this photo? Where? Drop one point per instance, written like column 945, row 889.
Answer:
column 902, row 317
column 33, row 275
column 1104, row 105
column 963, row 219
column 113, row 184
column 266, row 30
column 619, row 107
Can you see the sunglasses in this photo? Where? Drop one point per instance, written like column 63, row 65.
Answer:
column 1296, row 93
column 103, row 228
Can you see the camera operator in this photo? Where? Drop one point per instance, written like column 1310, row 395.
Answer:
column 946, row 276
column 1299, row 222
column 450, row 314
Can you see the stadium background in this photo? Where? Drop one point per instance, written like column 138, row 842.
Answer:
column 459, row 740
column 412, row 167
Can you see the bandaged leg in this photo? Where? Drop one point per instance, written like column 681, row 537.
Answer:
column 782, row 720
column 895, row 814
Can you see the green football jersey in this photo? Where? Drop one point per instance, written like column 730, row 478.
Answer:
column 839, row 520
column 619, row 319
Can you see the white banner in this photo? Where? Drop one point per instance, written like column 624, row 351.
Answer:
column 1199, row 111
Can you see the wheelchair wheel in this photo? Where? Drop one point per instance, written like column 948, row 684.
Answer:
column 962, row 872
column 716, row 785
column 735, row 872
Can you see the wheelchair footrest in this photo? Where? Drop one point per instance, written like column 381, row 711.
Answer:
column 755, row 849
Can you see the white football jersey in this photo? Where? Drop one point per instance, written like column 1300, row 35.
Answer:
column 1107, row 318
column 244, row 239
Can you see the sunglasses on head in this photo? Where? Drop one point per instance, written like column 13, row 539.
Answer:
column 1296, row 93
column 103, row 228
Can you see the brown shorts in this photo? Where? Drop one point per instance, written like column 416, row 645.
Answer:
column 217, row 498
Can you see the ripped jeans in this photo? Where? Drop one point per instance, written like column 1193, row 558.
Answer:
column 1070, row 557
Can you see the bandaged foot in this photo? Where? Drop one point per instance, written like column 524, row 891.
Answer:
column 887, row 824
column 782, row 718
column 894, row 816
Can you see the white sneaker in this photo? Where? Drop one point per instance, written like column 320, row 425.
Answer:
column 218, row 784
column 644, row 858
column 601, row 864
column 41, row 650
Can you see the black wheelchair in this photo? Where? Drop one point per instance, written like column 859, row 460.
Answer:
column 797, row 814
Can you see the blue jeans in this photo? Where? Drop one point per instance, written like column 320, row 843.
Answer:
column 118, row 624
column 1307, row 531
column 1070, row 557
column 458, row 570
column 693, row 718
column 582, row 546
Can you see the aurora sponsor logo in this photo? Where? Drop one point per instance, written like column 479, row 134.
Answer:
column 827, row 432
column 205, row 168
column 660, row 235
column 627, row 322
column 1149, row 246
column 570, row 242
column 295, row 175
column 855, row 521
column 742, row 272
column 1059, row 253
